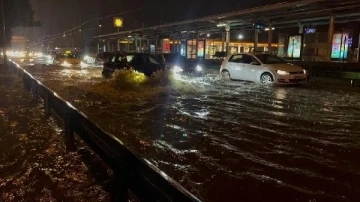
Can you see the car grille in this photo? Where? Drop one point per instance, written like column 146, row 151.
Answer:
column 297, row 72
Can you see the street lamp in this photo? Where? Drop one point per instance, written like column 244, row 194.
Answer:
column 100, row 25
column 240, row 36
column 208, row 35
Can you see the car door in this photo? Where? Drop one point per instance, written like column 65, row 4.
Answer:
column 235, row 66
column 251, row 67
column 137, row 62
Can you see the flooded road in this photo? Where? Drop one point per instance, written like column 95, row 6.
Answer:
column 231, row 140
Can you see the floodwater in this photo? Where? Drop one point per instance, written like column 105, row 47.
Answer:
column 235, row 141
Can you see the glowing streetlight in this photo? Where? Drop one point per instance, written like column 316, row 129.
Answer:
column 208, row 35
column 240, row 36
column 267, row 28
column 100, row 25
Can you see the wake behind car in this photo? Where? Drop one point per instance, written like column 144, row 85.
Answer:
column 263, row 68
column 179, row 64
column 141, row 62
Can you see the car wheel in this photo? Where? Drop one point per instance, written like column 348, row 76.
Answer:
column 266, row 78
column 225, row 74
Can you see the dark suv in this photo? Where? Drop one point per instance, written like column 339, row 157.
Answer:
column 141, row 62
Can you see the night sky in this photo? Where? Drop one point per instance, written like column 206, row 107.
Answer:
column 60, row 15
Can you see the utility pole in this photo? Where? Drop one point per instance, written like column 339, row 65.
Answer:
column 3, row 31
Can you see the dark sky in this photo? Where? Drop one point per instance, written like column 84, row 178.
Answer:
column 60, row 15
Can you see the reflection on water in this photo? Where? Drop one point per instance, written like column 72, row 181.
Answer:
column 240, row 141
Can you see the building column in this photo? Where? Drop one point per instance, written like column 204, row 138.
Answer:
column 140, row 43
column 227, row 29
column 223, row 42
column 148, row 45
column 118, row 44
column 173, row 49
column 108, row 49
column 156, row 44
column 256, row 39
column 330, row 37
column 136, row 45
column 177, row 43
column 270, row 37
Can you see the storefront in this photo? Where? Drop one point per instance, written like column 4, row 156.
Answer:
column 207, row 48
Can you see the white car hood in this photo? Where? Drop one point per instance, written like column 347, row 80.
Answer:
column 285, row 67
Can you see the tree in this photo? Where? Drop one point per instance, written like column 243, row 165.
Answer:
column 18, row 13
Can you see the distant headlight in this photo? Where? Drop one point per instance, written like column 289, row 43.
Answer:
column 280, row 72
column 199, row 68
column 66, row 64
column 177, row 69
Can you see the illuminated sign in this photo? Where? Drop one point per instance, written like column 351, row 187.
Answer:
column 340, row 45
column 152, row 48
column 118, row 22
column 310, row 30
column 166, row 46
column 259, row 26
column 183, row 49
column 201, row 49
column 294, row 46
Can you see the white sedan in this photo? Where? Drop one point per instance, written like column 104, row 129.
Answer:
column 263, row 68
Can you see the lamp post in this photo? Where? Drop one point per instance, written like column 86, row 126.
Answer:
column 3, row 30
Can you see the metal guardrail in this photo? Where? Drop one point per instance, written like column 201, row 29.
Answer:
column 138, row 175
column 352, row 76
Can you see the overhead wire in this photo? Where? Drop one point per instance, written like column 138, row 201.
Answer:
column 70, row 32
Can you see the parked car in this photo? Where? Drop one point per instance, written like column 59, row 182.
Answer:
column 141, row 62
column 179, row 64
column 263, row 68
column 68, row 59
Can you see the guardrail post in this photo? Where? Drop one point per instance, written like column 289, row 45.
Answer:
column 69, row 132
column 121, row 186
column 34, row 91
column 46, row 106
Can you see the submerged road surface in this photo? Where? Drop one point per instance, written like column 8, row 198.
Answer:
column 234, row 141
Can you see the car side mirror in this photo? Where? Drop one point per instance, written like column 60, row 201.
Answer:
column 254, row 63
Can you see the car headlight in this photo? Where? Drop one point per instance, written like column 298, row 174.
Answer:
column 281, row 72
column 198, row 68
column 305, row 72
column 66, row 64
column 177, row 69
column 86, row 57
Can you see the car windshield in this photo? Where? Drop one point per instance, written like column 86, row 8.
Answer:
column 171, row 58
column 270, row 59
column 70, row 56
column 154, row 60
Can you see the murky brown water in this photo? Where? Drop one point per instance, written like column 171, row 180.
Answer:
column 236, row 141
column 34, row 164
